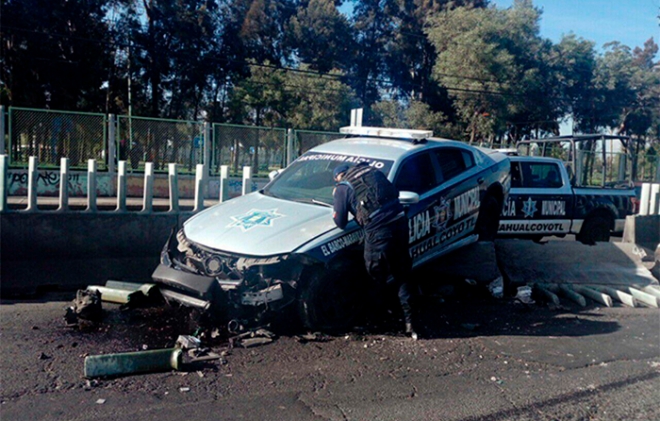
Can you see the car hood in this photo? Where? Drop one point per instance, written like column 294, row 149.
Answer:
column 258, row 225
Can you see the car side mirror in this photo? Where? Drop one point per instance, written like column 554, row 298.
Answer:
column 408, row 198
column 273, row 174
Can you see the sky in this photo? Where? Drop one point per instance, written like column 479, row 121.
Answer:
column 630, row 22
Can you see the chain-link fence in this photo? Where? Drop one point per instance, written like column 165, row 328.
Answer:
column 141, row 140
column 262, row 148
column 51, row 135
column 307, row 139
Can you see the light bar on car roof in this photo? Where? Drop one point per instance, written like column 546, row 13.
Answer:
column 385, row 132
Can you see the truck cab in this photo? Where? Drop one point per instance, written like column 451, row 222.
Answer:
column 544, row 201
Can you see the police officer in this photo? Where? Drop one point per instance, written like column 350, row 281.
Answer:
column 385, row 243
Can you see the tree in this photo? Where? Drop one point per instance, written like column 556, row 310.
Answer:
column 317, row 102
column 55, row 53
column 494, row 65
column 373, row 23
column 321, row 36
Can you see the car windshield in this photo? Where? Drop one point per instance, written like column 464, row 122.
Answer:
column 309, row 178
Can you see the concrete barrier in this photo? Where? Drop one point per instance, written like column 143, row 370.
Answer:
column 71, row 249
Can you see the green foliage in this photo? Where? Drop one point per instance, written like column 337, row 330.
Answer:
column 463, row 68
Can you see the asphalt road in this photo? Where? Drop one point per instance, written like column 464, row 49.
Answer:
column 484, row 359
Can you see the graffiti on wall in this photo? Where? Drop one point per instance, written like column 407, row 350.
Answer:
column 48, row 184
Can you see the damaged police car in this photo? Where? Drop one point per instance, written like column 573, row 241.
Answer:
column 277, row 248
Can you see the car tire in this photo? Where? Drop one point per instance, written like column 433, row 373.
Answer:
column 330, row 301
column 595, row 228
column 488, row 221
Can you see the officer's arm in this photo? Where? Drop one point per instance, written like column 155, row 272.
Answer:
column 341, row 206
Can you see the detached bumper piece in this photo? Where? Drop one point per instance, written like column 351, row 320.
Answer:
column 186, row 288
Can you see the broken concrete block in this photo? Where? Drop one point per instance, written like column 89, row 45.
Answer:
column 86, row 305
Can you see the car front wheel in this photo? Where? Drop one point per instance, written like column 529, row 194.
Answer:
column 595, row 228
column 330, row 301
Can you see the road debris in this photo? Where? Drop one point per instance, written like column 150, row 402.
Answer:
column 186, row 342
column 133, row 362
column 524, row 295
column 86, row 306
column 126, row 293
column 100, row 401
column 496, row 287
column 313, row 337
column 251, row 338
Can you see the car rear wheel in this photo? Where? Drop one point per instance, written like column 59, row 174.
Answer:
column 488, row 221
column 595, row 228
column 330, row 301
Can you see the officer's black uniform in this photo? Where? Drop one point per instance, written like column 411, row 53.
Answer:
column 385, row 243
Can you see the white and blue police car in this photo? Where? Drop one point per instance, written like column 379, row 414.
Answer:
column 277, row 248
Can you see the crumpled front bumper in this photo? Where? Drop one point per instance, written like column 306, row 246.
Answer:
column 238, row 281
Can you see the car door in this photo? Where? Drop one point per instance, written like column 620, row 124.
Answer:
column 540, row 202
column 448, row 203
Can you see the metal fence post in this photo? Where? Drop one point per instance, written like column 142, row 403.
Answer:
column 121, row 187
column 290, row 142
column 112, row 143
column 4, row 161
column 207, row 148
column 64, row 185
column 247, row 180
column 147, row 203
column 33, row 178
column 224, row 183
column 199, row 187
column 91, row 185
column 173, row 179
column 2, row 130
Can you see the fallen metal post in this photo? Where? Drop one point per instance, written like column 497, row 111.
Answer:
column 133, row 362
column 113, row 295
column 146, row 289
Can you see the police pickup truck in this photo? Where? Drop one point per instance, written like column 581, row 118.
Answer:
column 544, row 202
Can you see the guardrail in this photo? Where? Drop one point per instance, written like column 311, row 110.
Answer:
column 201, row 186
